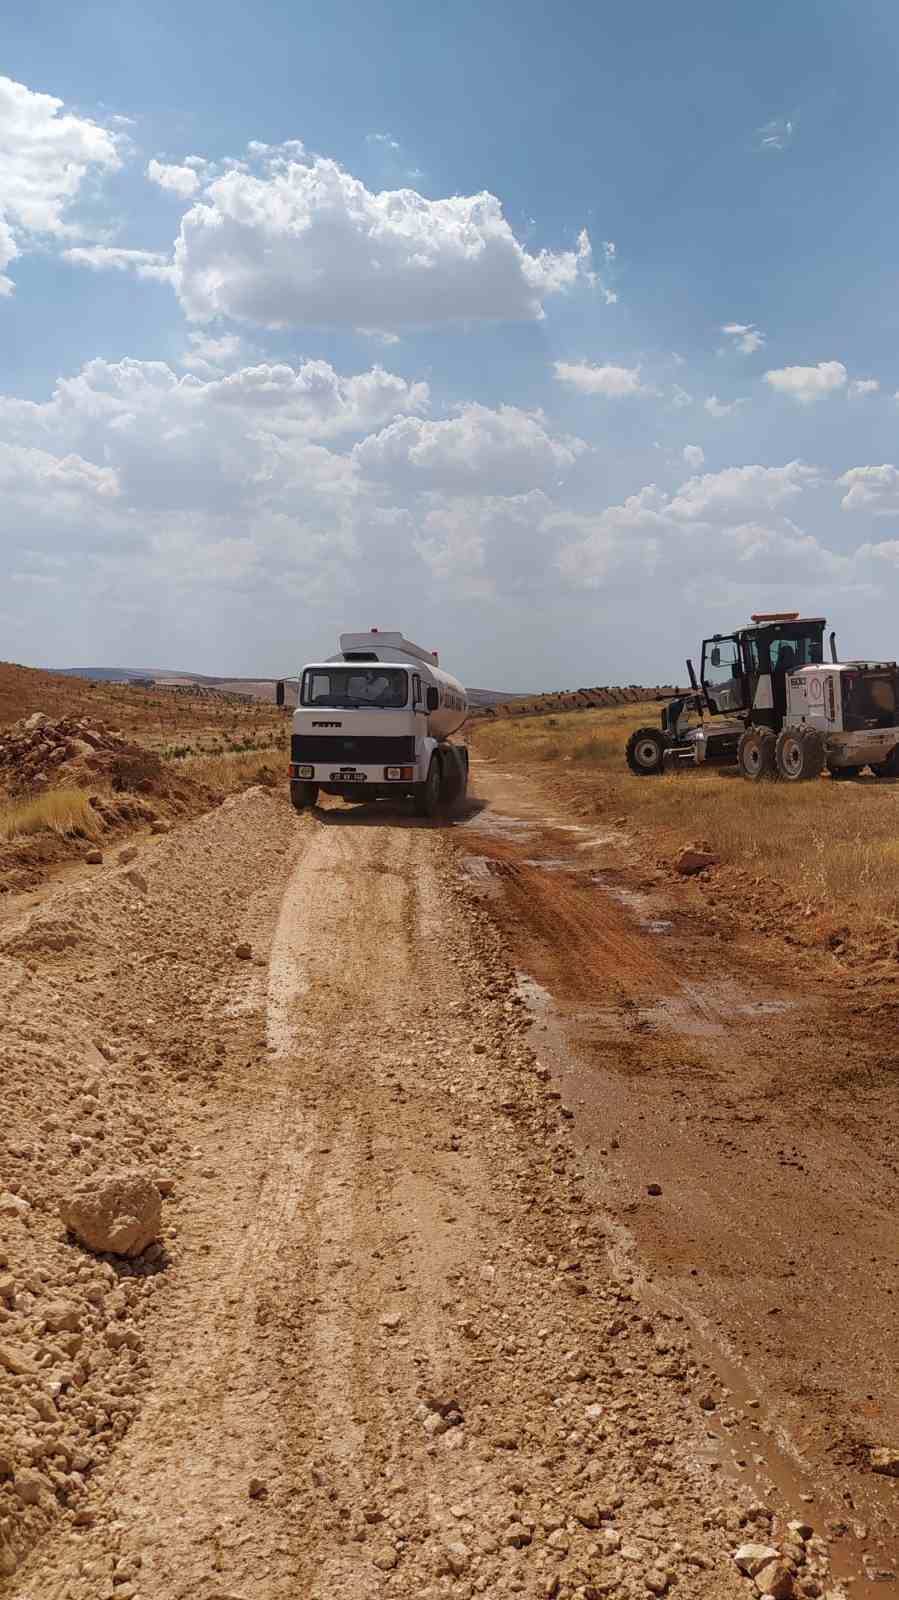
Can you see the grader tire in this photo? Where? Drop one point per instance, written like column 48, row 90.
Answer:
column 755, row 754
column 645, row 752
column 799, row 755
column 888, row 768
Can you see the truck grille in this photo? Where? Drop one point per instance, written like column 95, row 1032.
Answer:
column 345, row 751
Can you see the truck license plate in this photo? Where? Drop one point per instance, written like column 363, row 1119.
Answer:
column 347, row 777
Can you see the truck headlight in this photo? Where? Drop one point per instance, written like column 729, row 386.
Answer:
column 304, row 772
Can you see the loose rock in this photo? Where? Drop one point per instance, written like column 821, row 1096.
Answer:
column 120, row 1212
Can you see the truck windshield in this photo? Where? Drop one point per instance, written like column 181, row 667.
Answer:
column 355, row 686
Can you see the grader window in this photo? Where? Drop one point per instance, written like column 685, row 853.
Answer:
column 721, row 663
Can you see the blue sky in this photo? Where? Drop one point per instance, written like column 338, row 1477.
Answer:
column 268, row 367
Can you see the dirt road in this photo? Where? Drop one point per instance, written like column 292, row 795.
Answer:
column 393, row 1344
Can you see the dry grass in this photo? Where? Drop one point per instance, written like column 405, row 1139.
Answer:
column 834, row 841
column 62, row 811
column 232, row 772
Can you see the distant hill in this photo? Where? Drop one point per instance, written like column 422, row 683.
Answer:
column 159, row 714
column 259, row 688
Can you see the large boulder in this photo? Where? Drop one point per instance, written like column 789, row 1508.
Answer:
column 119, row 1213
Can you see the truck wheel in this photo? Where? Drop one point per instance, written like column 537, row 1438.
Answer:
column 799, row 754
column 645, row 752
column 755, row 754
column 303, row 795
column 429, row 795
column 888, row 768
column 455, row 777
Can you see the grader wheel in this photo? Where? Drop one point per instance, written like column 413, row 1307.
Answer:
column 645, row 752
column 799, row 755
column 755, row 754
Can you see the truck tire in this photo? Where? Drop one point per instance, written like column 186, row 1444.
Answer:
column 430, row 793
column 645, row 752
column 303, row 795
column 888, row 768
column 755, row 754
column 455, row 775
column 799, row 755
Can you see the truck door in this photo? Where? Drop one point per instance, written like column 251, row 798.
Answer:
column 721, row 675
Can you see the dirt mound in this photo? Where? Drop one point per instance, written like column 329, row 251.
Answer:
column 39, row 753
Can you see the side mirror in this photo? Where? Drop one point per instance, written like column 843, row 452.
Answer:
column 279, row 693
column 432, row 699
column 715, row 656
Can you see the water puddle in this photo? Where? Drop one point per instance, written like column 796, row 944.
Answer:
column 492, row 825
column 704, row 1009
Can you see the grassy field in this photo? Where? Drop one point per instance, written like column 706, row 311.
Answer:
column 834, row 841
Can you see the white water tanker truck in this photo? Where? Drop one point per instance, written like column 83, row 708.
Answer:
column 375, row 722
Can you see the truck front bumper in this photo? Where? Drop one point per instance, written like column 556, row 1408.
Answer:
column 367, row 782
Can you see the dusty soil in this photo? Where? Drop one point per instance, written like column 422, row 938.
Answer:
column 414, row 1326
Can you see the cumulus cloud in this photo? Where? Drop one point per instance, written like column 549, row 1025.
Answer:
column 859, row 387
column 807, row 384
column 499, row 450
column 183, row 181
column 694, row 455
column 613, row 382
column 722, row 408
column 871, row 489
column 307, row 243
column 209, row 356
column 711, row 526
column 46, row 154
column 745, row 336
column 114, row 408
column 26, row 469
column 741, row 490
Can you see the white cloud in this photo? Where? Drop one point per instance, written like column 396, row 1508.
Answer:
column 694, row 455
column 208, row 356
column 807, row 384
column 680, row 398
column 711, row 528
column 775, row 135
column 872, row 489
column 117, row 409
column 24, row 469
column 859, row 387
column 383, row 139
column 745, row 336
column 501, row 451
column 722, row 408
column 307, row 243
column 111, row 258
column 613, row 382
column 741, row 490
column 180, row 180
column 46, row 155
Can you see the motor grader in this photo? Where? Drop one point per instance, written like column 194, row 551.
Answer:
column 767, row 702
